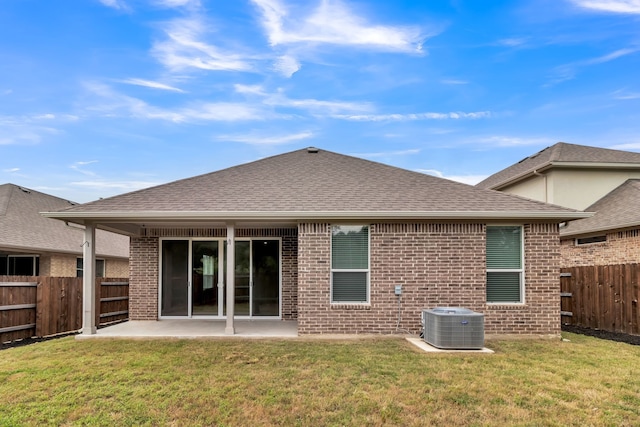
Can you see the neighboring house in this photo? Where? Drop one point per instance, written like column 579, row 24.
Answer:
column 574, row 176
column 32, row 245
column 325, row 238
column 597, row 180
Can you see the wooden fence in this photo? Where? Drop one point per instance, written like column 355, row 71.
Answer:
column 601, row 297
column 43, row 306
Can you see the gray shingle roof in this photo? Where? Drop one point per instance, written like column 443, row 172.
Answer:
column 23, row 228
column 618, row 209
column 309, row 182
column 559, row 153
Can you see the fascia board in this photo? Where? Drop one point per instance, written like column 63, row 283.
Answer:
column 150, row 216
column 593, row 230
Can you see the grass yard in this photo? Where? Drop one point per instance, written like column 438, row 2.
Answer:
column 383, row 381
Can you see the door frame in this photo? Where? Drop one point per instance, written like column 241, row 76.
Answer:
column 222, row 247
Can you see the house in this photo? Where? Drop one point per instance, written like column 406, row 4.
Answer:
column 598, row 180
column 326, row 239
column 570, row 175
column 32, row 245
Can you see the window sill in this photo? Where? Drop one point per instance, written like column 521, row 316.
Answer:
column 350, row 306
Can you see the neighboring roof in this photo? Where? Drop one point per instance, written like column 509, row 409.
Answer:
column 313, row 184
column 561, row 154
column 617, row 210
column 22, row 228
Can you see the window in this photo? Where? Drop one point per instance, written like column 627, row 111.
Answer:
column 505, row 265
column 99, row 267
column 350, row 264
column 20, row 265
column 593, row 239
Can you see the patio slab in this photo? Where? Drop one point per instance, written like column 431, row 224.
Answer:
column 192, row 328
column 422, row 345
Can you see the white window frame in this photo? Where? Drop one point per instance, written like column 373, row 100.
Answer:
column 520, row 270
column 357, row 270
column 80, row 271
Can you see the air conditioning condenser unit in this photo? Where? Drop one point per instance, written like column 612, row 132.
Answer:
column 453, row 328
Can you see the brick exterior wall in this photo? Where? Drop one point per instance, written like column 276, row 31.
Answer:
column 437, row 265
column 143, row 278
column 620, row 248
column 290, row 277
column 61, row 265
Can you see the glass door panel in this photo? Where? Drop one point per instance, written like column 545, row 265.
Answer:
column 204, row 278
column 243, row 278
column 175, row 278
column 266, row 278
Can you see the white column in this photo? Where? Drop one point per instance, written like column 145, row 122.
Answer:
column 89, row 281
column 231, row 278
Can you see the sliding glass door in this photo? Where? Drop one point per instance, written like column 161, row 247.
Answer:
column 193, row 278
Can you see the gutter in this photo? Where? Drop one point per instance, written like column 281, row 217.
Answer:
column 608, row 229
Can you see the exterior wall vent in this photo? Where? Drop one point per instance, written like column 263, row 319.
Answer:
column 453, row 328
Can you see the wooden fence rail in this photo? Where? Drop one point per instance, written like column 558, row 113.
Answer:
column 601, row 297
column 43, row 306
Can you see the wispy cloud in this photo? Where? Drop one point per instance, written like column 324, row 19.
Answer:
column 388, row 153
column 453, row 82
column 569, row 71
column 177, row 3
column 111, row 103
column 151, row 84
column 185, row 48
column 78, row 167
column 632, row 146
column 256, row 139
column 413, row 116
column 28, row 130
column 287, row 65
column 333, row 22
column 512, row 41
column 11, row 170
column 102, row 185
column 613, row 6
column 510, row 141
column 465, row 179
column 115, row 4
column 624, row 95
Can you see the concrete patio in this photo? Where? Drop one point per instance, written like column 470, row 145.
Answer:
column 193, row 328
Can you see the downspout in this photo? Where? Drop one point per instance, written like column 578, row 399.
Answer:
column 544, row 177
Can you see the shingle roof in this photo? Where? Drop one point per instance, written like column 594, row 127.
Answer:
column 23, row 228
column 618, row 209
column 558, row 153
column 310, row 181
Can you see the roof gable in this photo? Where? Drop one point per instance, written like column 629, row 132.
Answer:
column 558, row 153
column 22, row 228
column 618, row 209
column 313, row 182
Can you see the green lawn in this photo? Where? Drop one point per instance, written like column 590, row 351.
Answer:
column 382, row 381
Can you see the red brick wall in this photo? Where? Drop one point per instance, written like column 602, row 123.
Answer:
column 143, row 278
column 437, row 265
column 620, row 248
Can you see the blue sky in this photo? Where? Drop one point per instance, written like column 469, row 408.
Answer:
column 102, row 97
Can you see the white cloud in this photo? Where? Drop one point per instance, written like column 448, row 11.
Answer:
column 508, row 141
column 569, row 71
column 464, row 179
column 389, row 153
column 185, row 49
column 512, row 41
column 115, row 4
column 24, row 130
column 414, row 116
column 614, row 6
column 78, row 166
column 115, row 185
column 454, row 82
column 177, row 3
column 333, row 23
column 619, row 94
column 287, row 65
column 151, row 84
column 632, row 146
column 11, row 170
column 255, row 139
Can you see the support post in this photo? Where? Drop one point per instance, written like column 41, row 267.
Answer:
column 231, row 278
column 89, row 281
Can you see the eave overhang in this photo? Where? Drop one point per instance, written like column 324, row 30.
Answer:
column 561, row 165
column 296, row 216
column 599, row 230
